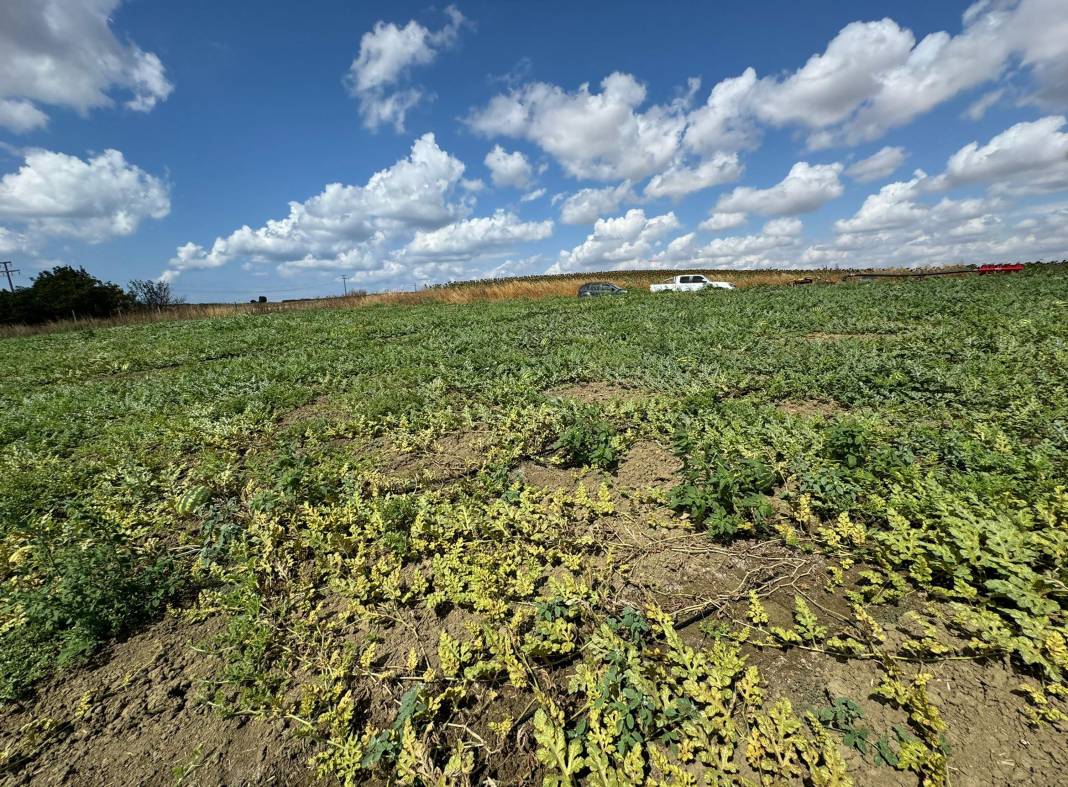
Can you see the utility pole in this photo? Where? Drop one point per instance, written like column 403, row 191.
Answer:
column 9, row 270
column 345, row 284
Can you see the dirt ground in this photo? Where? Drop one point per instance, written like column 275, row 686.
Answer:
column 136, row 715
column 990, row 742
column 132, row 717
column 989, row 738
column 810, row 408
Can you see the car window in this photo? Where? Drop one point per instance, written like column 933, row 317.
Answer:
column 685, row 280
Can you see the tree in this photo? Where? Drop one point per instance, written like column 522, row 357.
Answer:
column 152, row 294
column 62, row 293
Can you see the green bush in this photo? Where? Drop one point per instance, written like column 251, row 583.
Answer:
column 588, row 439
column 80, row 593
column 724, row 496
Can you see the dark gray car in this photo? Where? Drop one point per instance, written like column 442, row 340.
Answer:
column 598, row 288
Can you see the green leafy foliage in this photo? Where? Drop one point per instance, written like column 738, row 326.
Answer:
column 587, row 439
column 725, row 497
column 383, row 498
column 91, row 589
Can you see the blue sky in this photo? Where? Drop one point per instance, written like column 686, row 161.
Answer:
column 247, row 148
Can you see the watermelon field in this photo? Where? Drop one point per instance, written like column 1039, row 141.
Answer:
column 777, row 535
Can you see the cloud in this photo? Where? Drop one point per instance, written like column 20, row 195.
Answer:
column 596, row 136
column 871, row 77
column 978, row 108
column 878, row 165
column 875, row 76
column 899, row 225
column 63, row 53
column 508, row 169
column 21, row 116
column 951, row 232
column 679, row 180
column 409, row 222
column 1027, row 158
column 12, row 241
column 387, row 55
column 893, row 207
column 473, row 237
column 831, row 85
column 775, row 244
column 530, row 196
column 805, row 188
column 56, row 195
column 908, row 82
column 587, row 205
column 524, row 266
column 621, row 242
column 725, row 121
column 347, row 226
column 722, row 221
column 1038, row 31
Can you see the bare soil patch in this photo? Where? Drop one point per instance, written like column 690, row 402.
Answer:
column 598, row 392
column 810, row 408
column 648, row 465
column 689, row 575
column 556, row 478
column 989, row 738
column 319, row 407
column 448, row 458
column 133, row 718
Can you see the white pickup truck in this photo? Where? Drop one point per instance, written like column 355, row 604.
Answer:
column 689, row 283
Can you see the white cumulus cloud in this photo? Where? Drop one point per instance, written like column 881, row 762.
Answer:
column 679, row 180
column 508, row 169
column 387, row 55
column 875, row 76
column 59, row 195
column 871, row 77
column 20, row 116
column 775, row 245
column 593, row 135
column 722, row 221
column 879, row 165
column 64, row 53
column 587, row 205
column 347, row 226
column 831, row 85
column 409, row 222
column 1029, row 157
column 621, row 242
column 476, row 236
column 805, row 188
column 725, row 121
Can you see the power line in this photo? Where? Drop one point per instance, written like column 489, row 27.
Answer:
column 9, row 270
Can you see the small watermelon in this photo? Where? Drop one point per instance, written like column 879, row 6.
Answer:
column 192, row 499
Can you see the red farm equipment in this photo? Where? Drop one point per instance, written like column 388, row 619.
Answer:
column 1005, row 268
